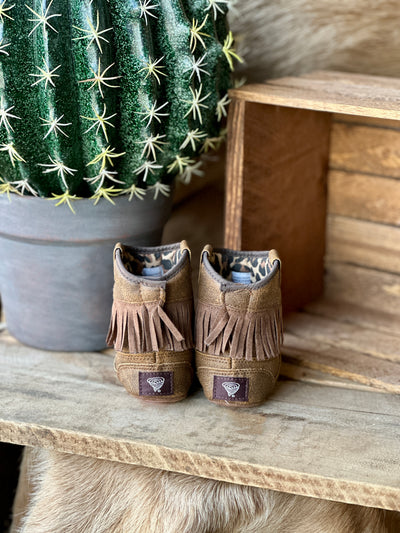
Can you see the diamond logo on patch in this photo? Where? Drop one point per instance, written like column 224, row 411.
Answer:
column 156, row 383
column 231, row 388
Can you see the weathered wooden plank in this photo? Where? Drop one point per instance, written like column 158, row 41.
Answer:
column 72, row 403
column 234, row 175
column 344, row 364
column 293, row 370
column 345, row 337
column 355, row 313
column 307, row 345
column 369, row 494
column 334, row 92
column 368, row 121
column 363, row 243
column 372, row 198
column 360, row 296
column 365, row 149
column 368, row 288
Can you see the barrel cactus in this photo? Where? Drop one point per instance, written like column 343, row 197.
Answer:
column 106, row 97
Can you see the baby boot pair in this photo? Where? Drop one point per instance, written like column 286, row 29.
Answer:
column 238, row 323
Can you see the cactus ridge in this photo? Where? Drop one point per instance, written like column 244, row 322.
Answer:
column 105, row 97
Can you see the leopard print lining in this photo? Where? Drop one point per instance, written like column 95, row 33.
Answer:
column 134, row 263
column 224, row 263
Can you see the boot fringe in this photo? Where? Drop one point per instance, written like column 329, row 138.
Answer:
column 150, row 327
column 249, row 335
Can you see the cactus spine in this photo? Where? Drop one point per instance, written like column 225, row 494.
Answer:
column 99, row 98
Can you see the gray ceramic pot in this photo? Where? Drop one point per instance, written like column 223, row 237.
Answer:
column 56, row 267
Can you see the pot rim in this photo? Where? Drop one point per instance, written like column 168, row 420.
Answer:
column 37, row 219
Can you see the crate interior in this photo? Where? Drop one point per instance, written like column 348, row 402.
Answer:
column 332, row 207
column 354, row 329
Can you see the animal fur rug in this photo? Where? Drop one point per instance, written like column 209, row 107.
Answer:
column 74, row 494
column 286, row 37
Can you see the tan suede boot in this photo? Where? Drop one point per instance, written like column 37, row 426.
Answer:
column 238, row 325
column 151, row 322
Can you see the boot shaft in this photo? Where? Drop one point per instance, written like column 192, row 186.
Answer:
column 238, row 325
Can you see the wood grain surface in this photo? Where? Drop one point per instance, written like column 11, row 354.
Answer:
column 234, row 176
column 326, row 356
column 358, row 295
column 365, row 149
column 366, row 197
column 363, row 243
column 355, row 338
column 335, row 92
column 294, row 370
column 370, row 121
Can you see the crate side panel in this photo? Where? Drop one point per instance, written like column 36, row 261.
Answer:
column 284, row 193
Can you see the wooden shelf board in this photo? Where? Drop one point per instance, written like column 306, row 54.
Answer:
column 326, row 442
column 335, row 92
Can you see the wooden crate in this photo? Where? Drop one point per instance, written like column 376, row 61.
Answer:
column 314, row 171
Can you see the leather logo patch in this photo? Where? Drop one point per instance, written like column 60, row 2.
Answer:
column 156, row 383
column 231, row 389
